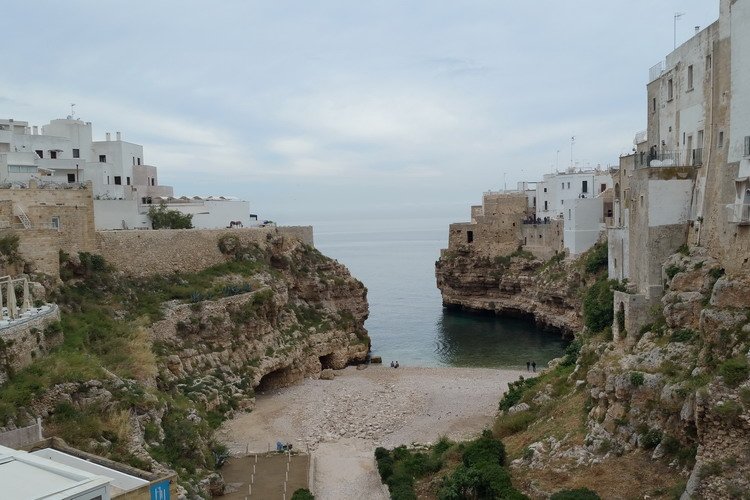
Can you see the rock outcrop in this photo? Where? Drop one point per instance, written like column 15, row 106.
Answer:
column 516, row 285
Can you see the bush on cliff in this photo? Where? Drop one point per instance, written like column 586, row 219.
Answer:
column 734, row 371
column 595, row 259
column 598, row 309
column 303, row 494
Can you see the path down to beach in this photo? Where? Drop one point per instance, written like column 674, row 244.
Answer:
column 341, row 421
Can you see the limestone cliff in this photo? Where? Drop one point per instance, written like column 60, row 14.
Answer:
column 515, row 285
column 149, row 366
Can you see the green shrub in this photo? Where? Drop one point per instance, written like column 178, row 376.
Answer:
column 651, row 439
column 572, row 351
column 683, row 335
column 164, row 218
column 598, row 310
column 596, row 258
column 484, row 449
column 302, row 494
column 9, row 247
column 670, row 444
column 515, row 392
column 672, row 270
column 637, row 379
column 577, row 494
column 734, row 371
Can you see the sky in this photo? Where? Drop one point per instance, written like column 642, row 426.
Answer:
column 333, row 110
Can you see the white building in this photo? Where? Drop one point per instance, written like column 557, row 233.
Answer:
column 124, row 186
column 559, row 189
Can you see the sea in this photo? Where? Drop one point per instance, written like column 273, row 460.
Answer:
column 395, row 259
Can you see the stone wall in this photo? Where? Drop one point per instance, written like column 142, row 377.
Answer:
column 71, row 208
column 543, row 240
column 495, row 228
column 25, row 340
column 142, row 253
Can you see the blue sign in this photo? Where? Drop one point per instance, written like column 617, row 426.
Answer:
column 160, row 491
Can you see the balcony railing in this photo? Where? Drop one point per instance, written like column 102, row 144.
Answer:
column 675, row 158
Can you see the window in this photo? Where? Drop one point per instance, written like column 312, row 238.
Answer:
column 683, row 138
column 653, row 105
column 134, row 160
column 562, row 186
column 71, row 178
column 602, row 188
column 102, row 158
column 139, row 161
column 127, row 181
column 690, row 78
column 55, row 223
column 40, row 153
column 569, row 185
column 584, row 186
column 545, row 205
column 747, row 145
column 76, row 153
column 708, row 62
column 53, row 154
column 107, row 179
column 721, row 139
column 469, row 236
column 570, row 214
column 670, row 89
column 152, row 181
column 118, row 180
column 545, row 190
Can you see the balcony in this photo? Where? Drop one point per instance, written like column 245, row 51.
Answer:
column 675, row 158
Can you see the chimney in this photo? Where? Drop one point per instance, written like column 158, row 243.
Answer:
column 35, row 129
column 697, row 29
column 109, row 136
column 119, row 136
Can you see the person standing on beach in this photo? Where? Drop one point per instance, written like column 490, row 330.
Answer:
column 528, row 366
column 533, row 366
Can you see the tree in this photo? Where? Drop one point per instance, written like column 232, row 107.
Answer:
column 163, row 218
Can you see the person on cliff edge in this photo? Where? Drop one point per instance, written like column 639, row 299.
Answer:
column 533, row 366
column 528, row 366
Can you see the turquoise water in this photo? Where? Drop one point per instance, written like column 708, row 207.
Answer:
column 395, row 259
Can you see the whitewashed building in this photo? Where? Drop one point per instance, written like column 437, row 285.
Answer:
column 124, row 186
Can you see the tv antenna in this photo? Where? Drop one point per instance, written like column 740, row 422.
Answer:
column 72, row 110
column 677, row 17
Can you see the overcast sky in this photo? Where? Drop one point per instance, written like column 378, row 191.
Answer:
column 323, row 109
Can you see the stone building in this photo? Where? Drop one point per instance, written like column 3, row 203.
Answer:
column 123, row 185
column 495, row 227
column 47, row 218
column 688, row 181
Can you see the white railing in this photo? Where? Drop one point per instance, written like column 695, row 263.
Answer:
column 656, row 71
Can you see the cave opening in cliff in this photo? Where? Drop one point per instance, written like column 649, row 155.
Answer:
column 326, row 361
column 275, row 379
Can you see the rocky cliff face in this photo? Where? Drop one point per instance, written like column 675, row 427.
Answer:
column 682, row 390
column 150, row 366
column 516, row 285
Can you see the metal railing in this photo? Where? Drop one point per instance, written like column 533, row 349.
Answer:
column 671, row 158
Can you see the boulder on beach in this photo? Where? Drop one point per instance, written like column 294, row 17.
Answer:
column 327, row 374
column 376, row 360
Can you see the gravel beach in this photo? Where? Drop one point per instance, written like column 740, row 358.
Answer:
column 341, row 421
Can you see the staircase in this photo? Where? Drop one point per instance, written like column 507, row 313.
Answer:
column 23, row 217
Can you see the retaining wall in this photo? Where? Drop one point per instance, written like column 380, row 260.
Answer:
column 164, row 251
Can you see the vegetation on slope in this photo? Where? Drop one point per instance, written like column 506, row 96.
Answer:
column 106, row 351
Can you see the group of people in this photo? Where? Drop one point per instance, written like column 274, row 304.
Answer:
column 531, row 366
column 394, row 364
column 536, row 220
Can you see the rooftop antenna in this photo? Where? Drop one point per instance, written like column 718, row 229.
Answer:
column 72, row 111
column 572, row 141
column 677, row 17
